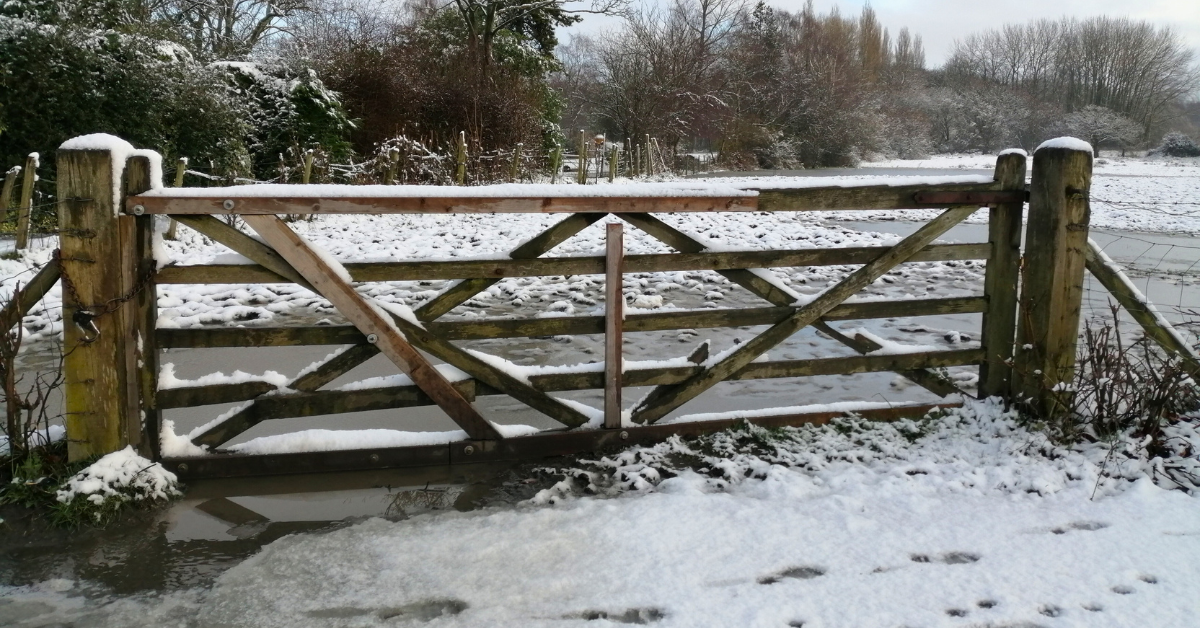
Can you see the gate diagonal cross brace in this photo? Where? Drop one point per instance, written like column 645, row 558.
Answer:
column 346, row 360
column 664, row 399
column 765, row 289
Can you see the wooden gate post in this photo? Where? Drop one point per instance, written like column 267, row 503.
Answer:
column 1000, row 282
column 100, row 267
column 1052, row 274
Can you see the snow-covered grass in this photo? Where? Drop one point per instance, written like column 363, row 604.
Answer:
column 104, row 488
column 966, row 519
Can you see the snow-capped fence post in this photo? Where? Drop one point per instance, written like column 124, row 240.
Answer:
column 1052, row 274
column 25, row 208
column 614, row 320
column 1000, row 281
column 105, row 260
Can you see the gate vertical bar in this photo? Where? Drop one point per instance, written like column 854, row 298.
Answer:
column 140, row 314
column 614, row 319
column 1000, row 281
column 94, row 270
column 1052, row 275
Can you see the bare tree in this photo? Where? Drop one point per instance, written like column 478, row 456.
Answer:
column 229, row 29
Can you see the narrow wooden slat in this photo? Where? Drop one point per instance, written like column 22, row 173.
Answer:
column 31, row 292
column 614, row 320
column 665, row 399
column 565, row 266
column 192, row 396
column 369, row 320
column 1000, row 279
column 877, row 197
column 562, row 326
column 1157, row 328
column 164, row 203
column 537, row 246
column 243, row 244
column 314, row 403
column 874, row 197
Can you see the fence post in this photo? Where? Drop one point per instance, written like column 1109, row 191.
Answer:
column 25, row 209
column 460, row 176
column 1052, row 274
column 1000, row 281
column 180, row 171
column 100, row 263
column 10, row 182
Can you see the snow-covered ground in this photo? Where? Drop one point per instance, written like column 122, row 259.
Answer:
column 966, row 520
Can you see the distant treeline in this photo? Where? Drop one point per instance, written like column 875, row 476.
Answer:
column 245, row 88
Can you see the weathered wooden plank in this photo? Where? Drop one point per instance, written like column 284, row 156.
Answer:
column 614, row 320
column 562, row 326
column 1000, row 280
column 164, row 203
column 535, row 247
column 192, row 396
column 25, row 207
column 546, row 444
column 139, row 315
column 549, row 444
column 241, row 243
column 371, row 321
column 31, row 292
column 1052, row 277
column 1157, row 328
column 315, row 403
column 565, row 266
column 873, row 197
column 664, row 399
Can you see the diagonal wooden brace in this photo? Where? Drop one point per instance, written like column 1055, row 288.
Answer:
column 352, row 357
column 757, row 285
column 371, row 321
column 665, row 399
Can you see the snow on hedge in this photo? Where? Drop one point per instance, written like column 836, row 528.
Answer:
column 123, row 476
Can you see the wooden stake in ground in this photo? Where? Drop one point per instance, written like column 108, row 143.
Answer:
column 306, row 176
column 614, row 319
column 581, row 175
column 10, row 183
column 180, row 171
column 393, row 163
column 25, row 209
column 612, row 164
column 516, row 163
column 460, row 175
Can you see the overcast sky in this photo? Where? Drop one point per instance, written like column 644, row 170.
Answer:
column 939, row 22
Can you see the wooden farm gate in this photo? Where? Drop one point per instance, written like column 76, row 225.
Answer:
column 106, row 252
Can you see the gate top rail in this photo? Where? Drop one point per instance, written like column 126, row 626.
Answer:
column 523, row 198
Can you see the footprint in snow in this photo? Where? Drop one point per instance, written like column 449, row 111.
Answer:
column 797, row 573
column 425, row 610
column 949, row 558
column 1148, row 579
column 1087, row 526
column 638, row 616
column 1050, row 610
column 1121, row 589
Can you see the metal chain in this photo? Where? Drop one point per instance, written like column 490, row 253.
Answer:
column 85, row 315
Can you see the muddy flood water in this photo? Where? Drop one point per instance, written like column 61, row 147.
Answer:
column 220, row 523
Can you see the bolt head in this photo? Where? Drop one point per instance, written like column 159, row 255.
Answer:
column 228, row 204
column 624, row 435
column 183, row 467
column 373, row 457
column 469, row 449
column 138, row 210
column 372, row 338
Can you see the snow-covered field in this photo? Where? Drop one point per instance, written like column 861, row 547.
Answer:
column 967, row 520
